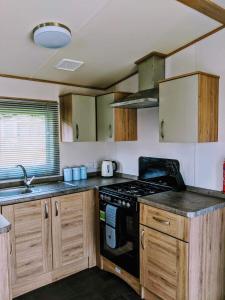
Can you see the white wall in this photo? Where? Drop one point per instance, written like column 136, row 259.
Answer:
column 70, row 153
column 201, row 164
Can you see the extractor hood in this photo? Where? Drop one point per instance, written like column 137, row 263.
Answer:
column 151, row 69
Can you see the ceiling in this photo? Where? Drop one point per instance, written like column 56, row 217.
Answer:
column 108, row 35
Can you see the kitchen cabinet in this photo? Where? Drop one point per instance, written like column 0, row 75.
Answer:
column 188, row 108
column 69, row 230
column 177, row 259
column 50, row 239
column 30, row 240
column 78, row 118
column 115, row 124
column 164, row 264
column 5, row 283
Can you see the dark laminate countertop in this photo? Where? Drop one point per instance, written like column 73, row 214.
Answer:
column 46, row 190
column 5, row 226
column 188, row 204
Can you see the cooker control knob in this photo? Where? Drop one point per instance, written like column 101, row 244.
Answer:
column 124, row 203
column 128, row 204
column 119, row 201
column 102, row 197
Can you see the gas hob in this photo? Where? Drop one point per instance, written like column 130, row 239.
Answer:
column 133, row 189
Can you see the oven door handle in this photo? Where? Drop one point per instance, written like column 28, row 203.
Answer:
column 142, row 239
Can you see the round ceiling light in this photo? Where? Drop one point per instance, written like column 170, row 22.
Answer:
column 52, row 35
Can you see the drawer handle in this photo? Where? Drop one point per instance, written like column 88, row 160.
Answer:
column 56, row 208
column 77, row 132
column 110, row 131
column 161, row 221
column 46, row 211
column 11, row 248
column 142, row 239
column 162, row 129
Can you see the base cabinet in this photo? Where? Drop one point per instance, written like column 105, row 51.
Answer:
column 164, row 262
column 187, row 266
column 30, row 240
column 69, row 234
column 5, row 282
column 50, row 239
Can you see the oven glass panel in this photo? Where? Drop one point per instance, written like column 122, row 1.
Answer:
column 126, row 255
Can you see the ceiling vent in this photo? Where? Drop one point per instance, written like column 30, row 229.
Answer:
column 69, row 64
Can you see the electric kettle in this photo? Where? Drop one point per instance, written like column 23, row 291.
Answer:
column 108, row 167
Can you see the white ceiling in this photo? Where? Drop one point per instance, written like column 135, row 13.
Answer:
column 220, row 2
column 108, row 35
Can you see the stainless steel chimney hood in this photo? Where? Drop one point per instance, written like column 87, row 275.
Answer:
column 142, row 99
column 151, row 69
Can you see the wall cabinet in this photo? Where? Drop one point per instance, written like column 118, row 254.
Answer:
column 177, row 260
column 188, row 108
column 50, row 239
column 115, row 124
column 78, row 118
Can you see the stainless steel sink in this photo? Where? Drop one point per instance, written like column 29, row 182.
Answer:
column 10, row 192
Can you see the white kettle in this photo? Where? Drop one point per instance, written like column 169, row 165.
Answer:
column 108, row 167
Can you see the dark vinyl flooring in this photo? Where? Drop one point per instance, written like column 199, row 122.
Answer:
column 92, row 284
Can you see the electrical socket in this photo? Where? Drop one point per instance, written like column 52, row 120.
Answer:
column 92, row 166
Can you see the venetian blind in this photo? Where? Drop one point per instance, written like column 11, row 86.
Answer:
column 28, row 136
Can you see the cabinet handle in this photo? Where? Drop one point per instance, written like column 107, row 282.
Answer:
column 46, row 210
column 110, row 131
column 10, row 248
column 161, row 221
column 142, row 239
column 77, row 131
column 162, row 129
column 56, row 208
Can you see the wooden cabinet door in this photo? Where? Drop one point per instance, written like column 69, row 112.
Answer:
column 31, row 249
column 164, row 265
column 84, row 118
column 178, row 110
column 69, row 230
column 105, row 118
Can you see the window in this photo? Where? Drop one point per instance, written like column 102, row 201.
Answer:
column 28, row 136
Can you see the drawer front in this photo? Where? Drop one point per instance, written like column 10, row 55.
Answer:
column 169, row 223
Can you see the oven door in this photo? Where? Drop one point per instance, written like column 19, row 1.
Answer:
column 125, row 255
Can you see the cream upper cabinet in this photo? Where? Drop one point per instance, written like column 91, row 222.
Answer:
column 78, row 118
column 115, row 124
column 188, row 108
column 105, row 118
